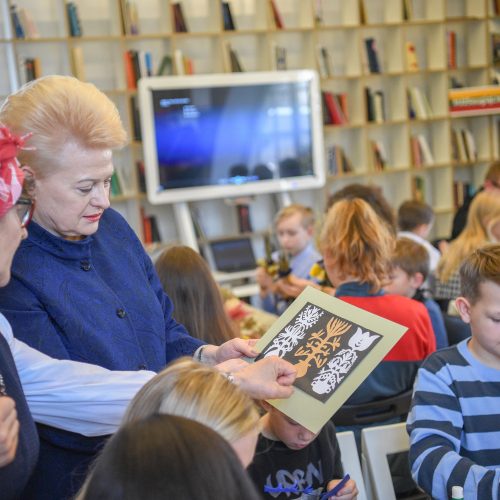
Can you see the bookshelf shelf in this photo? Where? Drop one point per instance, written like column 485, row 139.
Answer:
column 342, row 28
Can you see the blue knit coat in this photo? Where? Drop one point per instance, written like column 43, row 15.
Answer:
column 96, row 300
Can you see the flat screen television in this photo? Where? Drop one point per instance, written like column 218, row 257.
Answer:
column 228, row 135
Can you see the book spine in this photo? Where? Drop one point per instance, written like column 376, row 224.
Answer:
column 372, row 55
column 278, row 20
column 227, row 17
column 16, row 22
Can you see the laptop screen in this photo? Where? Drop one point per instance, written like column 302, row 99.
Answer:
column 233, row 255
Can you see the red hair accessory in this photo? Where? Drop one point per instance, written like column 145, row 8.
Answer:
column 11, row 176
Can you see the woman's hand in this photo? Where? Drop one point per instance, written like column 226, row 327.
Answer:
column 234, row 348
column 268, row 378
column 348, row 492
column 9, row 430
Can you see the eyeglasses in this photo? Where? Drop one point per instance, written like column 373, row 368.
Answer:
column 25, row 208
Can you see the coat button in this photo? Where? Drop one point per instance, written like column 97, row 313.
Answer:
column 85, row 265
column 142, row 367
column 121, row 313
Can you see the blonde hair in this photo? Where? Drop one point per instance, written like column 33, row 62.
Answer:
column 307, row 214
column 359, row 242
column 59, row 110
column 485, row 208
column 190, row 389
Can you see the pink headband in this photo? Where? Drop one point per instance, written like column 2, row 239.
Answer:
column 11, row 176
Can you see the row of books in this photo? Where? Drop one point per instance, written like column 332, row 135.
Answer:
column 421, row 154
column 463, row 145
column 31, row 68
column 418, row 104
column 22, row 22
column 378, row 155
column 150, row 231
column 129, row 17
column 138, row 64
column 375, row 106
column 337, row 161
column 119, row 184
column 335, row 110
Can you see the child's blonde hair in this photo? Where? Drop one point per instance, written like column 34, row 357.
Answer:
column 199, row 392
column 307, row 215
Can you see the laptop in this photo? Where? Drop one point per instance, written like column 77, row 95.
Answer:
column 233, row 255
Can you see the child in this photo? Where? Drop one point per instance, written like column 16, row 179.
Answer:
column 291, row 462
column 415, row 220
column 294, row 229
column 454, row 423
column 200, row 392
column 410, row 268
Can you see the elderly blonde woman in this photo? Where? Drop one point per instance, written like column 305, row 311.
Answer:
column 82, row 286
column 199, row 392
column 480, row 229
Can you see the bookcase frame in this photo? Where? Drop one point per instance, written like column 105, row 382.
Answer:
column 307, row 24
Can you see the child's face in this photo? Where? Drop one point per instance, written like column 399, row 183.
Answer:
column 484, row 318
column 401, row 283
column 292, row 434
column 293, row 237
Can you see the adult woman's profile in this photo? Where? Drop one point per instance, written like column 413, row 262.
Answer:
column 167, row 456
column 82, row 286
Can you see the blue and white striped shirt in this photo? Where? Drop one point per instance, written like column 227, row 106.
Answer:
column 454, row 425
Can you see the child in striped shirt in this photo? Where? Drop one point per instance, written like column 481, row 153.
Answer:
column 454, row 423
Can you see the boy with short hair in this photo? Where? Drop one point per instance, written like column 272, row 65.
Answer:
column 415, row 220
column 291, row 462
column 454, row 423
column 295, row 230
column 410, row 268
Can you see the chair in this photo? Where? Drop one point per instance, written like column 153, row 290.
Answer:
column 375, row 411
column 376, row 444
column 350, row 461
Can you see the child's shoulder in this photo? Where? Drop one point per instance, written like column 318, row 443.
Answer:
column 449, row 356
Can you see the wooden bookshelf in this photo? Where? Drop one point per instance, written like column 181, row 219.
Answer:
column 339, row 27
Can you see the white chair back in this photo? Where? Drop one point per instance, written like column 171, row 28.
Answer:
column 350, row 461
column 376, row 444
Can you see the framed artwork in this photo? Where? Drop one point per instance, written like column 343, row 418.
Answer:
column 333, row 345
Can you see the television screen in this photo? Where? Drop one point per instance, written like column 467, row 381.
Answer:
column 228, row 135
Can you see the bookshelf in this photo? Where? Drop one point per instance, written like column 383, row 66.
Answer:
column 452, row 39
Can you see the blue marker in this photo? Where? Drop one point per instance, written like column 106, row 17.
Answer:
column 336, row 488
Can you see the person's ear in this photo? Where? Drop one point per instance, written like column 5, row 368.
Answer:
column 463, row 307
column 417, row 280
column 29, row 180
